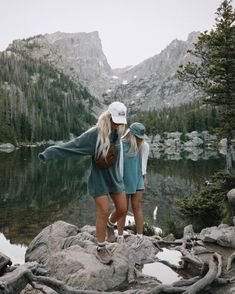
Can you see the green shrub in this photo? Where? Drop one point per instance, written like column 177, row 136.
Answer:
column 173, row 226
column 208, row 206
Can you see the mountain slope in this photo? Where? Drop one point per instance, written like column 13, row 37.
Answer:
column 153, row 83
column 37, row 102
column 78, row 55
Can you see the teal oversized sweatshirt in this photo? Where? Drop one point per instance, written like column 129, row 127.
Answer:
column 101, row 181
column 134, row 168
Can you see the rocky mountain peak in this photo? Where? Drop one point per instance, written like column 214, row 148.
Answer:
column 53, row 37
column 78, row 45
column 83, row 55
column 150, row 84
column 192, row 37
column 153, row 83
column 78, row 55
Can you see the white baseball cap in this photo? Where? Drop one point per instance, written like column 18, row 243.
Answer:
column 118, row 112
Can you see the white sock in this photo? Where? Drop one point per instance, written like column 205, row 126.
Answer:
column 140, row 236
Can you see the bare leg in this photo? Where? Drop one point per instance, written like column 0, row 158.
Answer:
column 137, row 211
column 122, row 220
column 119, row 200
column 102, row 208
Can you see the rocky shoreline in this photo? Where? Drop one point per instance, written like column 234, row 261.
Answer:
column 61, row 259
column 171, row 144
column 194, row 143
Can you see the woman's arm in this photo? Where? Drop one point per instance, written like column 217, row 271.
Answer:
column 145, row 155
column 83, row 145
column 121, row 160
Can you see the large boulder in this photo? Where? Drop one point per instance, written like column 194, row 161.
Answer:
column 188, row 233
column 69, row 254
column 194, row 142
column 231, row 199
column 4, row 262
column 222, row 235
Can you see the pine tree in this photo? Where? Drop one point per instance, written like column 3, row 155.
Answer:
column 214, row 73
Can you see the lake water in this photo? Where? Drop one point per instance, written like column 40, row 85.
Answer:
column 34, row 195
column 161, row 271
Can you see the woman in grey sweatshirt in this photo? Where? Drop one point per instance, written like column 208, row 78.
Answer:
column 103, row 182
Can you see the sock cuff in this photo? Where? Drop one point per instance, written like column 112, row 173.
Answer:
column 110, row 224
column 101, row 244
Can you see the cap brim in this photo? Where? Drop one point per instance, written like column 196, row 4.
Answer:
column 119, row 120
column 142, row 137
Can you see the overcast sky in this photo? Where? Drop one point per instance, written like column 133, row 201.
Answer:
column 130, row 30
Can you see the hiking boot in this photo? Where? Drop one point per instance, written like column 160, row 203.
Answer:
column 110, row 234
column 138, row 242
column 120, row 239
column 104, row 255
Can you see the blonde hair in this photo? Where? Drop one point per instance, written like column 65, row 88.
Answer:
column 104, row 130
column 135, row 148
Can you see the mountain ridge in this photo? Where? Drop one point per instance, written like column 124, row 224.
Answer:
column 150, row 84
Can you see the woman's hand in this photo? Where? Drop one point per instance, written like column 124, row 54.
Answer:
column 146, row 182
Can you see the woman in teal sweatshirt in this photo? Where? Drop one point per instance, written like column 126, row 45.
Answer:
column 135, row 158
column 102, row 181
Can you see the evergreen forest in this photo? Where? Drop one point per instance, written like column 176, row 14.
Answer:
column 183, row 118
column 37, row 102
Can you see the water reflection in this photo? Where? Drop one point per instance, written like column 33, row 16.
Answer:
column 33, row 194
column 193, row 153
column 162, row 272
column 170, row 179
column 15, row 252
